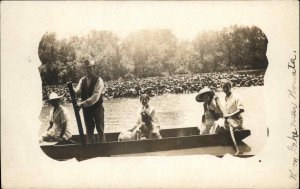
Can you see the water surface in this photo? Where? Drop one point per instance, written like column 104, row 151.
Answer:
column 178, row 110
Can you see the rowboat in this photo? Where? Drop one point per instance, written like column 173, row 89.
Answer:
column 172, row 139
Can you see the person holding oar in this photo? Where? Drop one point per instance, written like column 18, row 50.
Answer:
column 90, row 88
column 58, row 130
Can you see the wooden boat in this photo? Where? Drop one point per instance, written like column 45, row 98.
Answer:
column 172, row 139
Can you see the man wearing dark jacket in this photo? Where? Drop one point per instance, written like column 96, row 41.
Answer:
column 90, row 88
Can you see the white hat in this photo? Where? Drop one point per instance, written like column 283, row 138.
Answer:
column 88, row 63
column 205, row 90
column 53, row 96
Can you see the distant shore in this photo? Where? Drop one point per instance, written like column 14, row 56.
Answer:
column 175, row 84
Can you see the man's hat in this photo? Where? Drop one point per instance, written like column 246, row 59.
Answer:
column 202, row 92
column 53, row 96
column 88, row 63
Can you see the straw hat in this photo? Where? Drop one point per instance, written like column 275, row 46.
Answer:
column 202, row 92
column 88, row 63
column 54, row 96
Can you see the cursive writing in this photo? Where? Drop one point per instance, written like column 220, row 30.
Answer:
column 293, row 135
column 292, row 63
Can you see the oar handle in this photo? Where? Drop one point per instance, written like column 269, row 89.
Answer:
column 76, row 111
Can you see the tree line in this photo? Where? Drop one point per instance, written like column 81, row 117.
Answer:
column 149, row 53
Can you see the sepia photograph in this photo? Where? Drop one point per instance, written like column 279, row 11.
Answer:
column 149, row 94
column 153, row 92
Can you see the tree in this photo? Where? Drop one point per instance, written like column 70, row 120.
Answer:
column 184, row 58
column 103, row 47
column 48, row 54
column 149, row 52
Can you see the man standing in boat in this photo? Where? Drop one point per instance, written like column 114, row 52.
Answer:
column 90, row 88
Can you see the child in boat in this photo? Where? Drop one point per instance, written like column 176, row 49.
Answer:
column 58, row 129
column 212, row 111
column 147, row 126
column 232, row 111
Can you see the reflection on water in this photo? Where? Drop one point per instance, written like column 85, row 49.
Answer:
column 179, row 110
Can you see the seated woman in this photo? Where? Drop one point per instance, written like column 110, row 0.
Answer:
column 146, row 127
column 58, row 129
column 232, row 110
column 212, row 111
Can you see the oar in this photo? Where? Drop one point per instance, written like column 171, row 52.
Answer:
column 230, row 129
column 77, row 115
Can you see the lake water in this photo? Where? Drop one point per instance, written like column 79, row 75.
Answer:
column 178, row 110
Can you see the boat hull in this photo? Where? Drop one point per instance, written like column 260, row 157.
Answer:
column 173, row 139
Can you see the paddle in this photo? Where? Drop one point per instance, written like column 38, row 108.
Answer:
column 230, row 129
column 77, row 115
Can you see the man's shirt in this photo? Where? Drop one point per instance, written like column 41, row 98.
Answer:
column 99, row 86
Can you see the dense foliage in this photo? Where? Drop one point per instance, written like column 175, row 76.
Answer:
column 148, row 53
column 175, row 84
